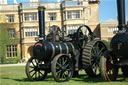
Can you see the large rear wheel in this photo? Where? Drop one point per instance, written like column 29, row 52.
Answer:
column 91, row 57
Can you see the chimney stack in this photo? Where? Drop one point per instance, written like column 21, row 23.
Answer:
column 121, row 15
column 41, row 14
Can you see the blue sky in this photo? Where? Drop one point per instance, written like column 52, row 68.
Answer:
column 107, row 9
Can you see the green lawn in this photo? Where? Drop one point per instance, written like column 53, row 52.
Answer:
column 16, row 76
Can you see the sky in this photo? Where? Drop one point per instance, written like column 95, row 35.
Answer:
column 107, row 9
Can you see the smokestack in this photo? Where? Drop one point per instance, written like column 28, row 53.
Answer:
column 41, row 14
column 121, row 16
column 14, row 2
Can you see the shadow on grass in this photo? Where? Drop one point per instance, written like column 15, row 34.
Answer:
column 85, row 78
column 48, row 78
column 80, row 78
column 20, row 80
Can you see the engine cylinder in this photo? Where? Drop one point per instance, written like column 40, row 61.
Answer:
column 47, row 50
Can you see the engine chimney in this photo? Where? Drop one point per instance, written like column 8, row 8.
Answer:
column 121, row 16
column 41, row 14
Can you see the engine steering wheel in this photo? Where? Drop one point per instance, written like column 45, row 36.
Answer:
column 84, row 35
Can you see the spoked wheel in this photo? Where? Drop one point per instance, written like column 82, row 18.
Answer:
column 125, row 70
column 84, row 35
column 109, row 72
column 34, row 71
column 62, row 68
column 91, row 57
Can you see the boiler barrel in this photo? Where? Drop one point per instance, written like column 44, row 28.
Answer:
column 119, row 45
column 47, row 50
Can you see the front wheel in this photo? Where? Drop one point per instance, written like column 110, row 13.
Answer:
column 109, row 71
column 62, row 68
column 34, row 71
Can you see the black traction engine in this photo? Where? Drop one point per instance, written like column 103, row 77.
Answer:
column 64, row 56
column 118, row 55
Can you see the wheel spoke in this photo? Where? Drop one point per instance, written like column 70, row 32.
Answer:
column 96, row 68
column 65, row 61
column 62, row 60
column 67, row 65
column 36, row 61
column 36, row 75
column 59, row 74
column 33, row 64
column 58, row 64
column 63, row 76
column 39, row 74
column 58, row 71
column 94, row 50
column 57, row 67
column 97, row 46
column 100, row 52
column 31, row 71
column 68, row 70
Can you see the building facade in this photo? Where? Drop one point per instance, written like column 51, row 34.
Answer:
column 69, row 14
column 9, row 34
column 109, row 29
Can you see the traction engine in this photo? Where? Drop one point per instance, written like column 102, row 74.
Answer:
column 64, row 56
column 118, row 56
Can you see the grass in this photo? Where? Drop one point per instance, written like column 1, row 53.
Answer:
column 17, row 76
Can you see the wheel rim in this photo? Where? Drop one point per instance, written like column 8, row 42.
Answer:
column 97, row 51
column 84, row 35
column 63, row 69
column 111, row 70
column 33, row 70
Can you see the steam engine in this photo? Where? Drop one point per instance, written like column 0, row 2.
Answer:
column 117, row 57
column 66, row 56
